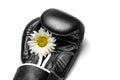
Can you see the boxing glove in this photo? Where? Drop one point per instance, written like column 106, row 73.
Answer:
column 50, row 45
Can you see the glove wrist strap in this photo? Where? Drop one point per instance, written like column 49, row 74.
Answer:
column 31, row 72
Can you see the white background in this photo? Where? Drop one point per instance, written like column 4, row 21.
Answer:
column 100, row 56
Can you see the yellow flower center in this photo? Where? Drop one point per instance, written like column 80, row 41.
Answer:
column 42, row 41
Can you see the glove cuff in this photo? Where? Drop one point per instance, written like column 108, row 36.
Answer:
column 31, row 72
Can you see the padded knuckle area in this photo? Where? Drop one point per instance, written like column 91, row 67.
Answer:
column 59, row 22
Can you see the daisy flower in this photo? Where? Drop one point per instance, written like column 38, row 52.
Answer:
column 41, row 43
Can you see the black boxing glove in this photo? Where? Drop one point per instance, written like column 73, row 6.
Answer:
column 50, row 45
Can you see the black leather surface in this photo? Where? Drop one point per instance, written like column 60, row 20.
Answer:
column 25, row 52
column 29, row 72
column 68, row 32
column 59, row 22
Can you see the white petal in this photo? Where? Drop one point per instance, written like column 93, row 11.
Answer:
column 34, row 32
